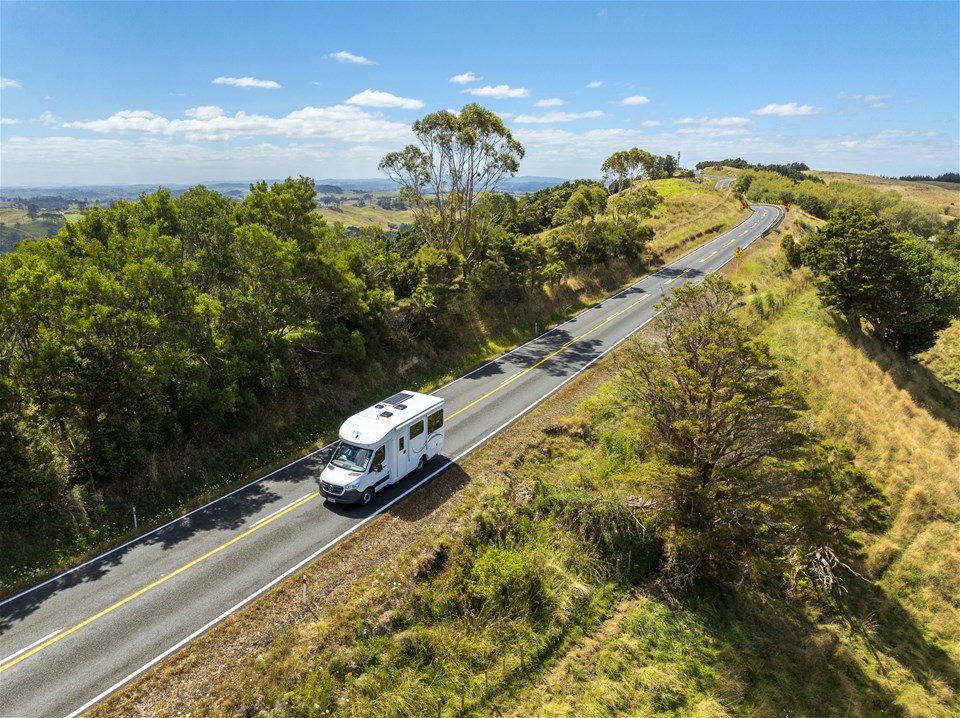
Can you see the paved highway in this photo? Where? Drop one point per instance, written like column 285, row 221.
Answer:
column 71, row 641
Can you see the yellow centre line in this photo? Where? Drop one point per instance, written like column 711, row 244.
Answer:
column 548, row 358
column 156, row 583
column 708, row 256
column 678, row 276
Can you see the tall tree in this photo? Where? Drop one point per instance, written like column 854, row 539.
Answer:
column 903, row 288
column 459, row 157
column 738, row 486
column 623, row 168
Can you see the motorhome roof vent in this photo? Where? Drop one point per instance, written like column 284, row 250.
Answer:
column 386, row 414
column 400, row 407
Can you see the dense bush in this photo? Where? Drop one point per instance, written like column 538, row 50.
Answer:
column 168, row 322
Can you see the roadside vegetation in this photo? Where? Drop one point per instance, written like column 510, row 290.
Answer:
column 751, row 509
column 159, row 350
column 560, row 580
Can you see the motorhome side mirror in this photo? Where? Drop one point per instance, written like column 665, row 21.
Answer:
column 377, row 469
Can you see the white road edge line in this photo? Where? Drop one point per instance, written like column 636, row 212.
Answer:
column 316, row 451
column 267, row 518
column 356, row 527
column 24, row 650
column 161, row 528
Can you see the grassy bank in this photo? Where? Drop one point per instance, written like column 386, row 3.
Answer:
column 521, row 584
column 185, row 476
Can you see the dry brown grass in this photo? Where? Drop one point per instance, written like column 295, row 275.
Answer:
column 944, row 197
column 885, row 408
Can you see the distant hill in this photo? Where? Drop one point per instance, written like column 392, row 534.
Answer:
column 105, row 194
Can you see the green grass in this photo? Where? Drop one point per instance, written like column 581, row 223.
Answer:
column 350, row 215
column 538, row 598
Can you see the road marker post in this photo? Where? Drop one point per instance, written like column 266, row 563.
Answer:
column 135, row 527
column 304, row 590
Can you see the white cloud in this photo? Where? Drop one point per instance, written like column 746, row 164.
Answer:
column 205, row 112
column 64, row 160
column 790, row 109
column 7, row 84
column 499, row 92
column 550, row 117
column 375, row 98
column 634, row 100
column 650, row 123
column 715, row 121
column 464, row 78
column 864, row 98
column 551, row 102
column 6, row 121
column 49, row 119
column 595, row 84
column 877, row 102
column 247, row 82
column 340, row 122
column 349, row 57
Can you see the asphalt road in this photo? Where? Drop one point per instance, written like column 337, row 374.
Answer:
column 71, row 641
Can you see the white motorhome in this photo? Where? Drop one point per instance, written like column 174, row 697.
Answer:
column 381, row 445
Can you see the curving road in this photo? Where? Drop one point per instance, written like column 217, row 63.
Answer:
column 71, row 641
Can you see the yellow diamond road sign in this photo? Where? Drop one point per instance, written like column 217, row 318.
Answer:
column 738, row 254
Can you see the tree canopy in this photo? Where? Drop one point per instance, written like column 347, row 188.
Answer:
column 740, row 490
column 906, row 290
column 459, row 157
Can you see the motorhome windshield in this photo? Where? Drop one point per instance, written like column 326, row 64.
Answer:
column 351, row 458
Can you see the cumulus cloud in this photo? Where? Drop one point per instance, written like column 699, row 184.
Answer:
column 595, row 84
column 248, row 82
column 205, row 124
column 349, row 57
column 9, row 121
column 715, row 121
column 634, row 100
column 549, row 117
column 48, row 118
column 551, row 102
column 375, row 98
column 790, row 109
column 464, row 78
column 7, row 84
column 205, row 112
column 650, row 123
column 86, row 160
column 499, row 92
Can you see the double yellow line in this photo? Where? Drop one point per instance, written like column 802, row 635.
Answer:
column 156, row 583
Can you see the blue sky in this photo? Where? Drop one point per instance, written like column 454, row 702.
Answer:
column 188, row 92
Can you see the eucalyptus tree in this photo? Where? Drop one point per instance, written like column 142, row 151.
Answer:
column 623, row 168
column 458, row 157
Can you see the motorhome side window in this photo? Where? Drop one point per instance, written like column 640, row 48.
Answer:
column 435, row 421
column 416, row 430
column 378, row 458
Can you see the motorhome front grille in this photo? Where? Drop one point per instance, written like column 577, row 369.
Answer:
column 329, row 488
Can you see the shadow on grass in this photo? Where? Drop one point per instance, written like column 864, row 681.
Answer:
column 926, row 390
column 792, row 662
